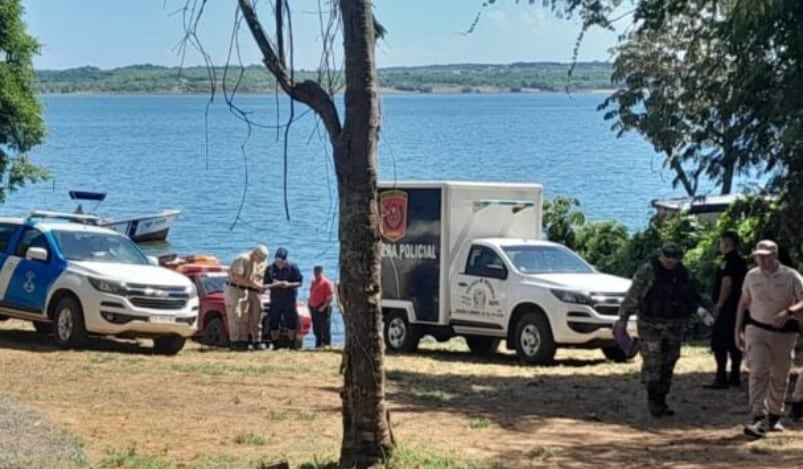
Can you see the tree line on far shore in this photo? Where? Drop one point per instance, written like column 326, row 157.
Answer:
column 465, row 78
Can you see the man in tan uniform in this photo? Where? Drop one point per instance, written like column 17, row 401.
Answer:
column 768, row 334
column 243, row 299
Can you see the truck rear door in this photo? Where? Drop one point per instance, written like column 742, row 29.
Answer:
column 478, row 291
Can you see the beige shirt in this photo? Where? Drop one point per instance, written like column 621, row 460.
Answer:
column 243, row 266
column 769, row 295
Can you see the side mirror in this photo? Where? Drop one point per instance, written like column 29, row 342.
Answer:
column 36, row 254
column 153, row 261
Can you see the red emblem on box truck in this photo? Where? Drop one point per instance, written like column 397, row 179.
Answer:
column 393, row 206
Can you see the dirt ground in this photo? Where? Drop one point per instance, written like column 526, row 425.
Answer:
column 214, row 408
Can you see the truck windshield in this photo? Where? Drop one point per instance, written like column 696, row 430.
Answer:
column 98, row 247
column 545, row 259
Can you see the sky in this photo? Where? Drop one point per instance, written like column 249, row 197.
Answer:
column 114, row 33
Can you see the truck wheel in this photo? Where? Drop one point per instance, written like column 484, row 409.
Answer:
column 215, row 334
column 482, row 346
column 616, row 354
column 169, row 344
column 69, row 324
column 533, row 340
column 400, row 335
column 44, row 328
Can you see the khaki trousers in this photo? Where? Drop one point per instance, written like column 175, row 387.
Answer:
column 244, row 314
column 770, row 356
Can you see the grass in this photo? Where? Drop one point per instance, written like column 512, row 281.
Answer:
column 432, row 394
column 543, row 453
column 276, row 415
column 407, row 457
column 251, row 439
column 480, row 422
column 130, row 458
column 217, row 369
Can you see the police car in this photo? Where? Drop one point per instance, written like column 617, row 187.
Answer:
column 75, row 280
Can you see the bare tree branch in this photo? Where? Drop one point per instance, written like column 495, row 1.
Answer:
column 308, row 91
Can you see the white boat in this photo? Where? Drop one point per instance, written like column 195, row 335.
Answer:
column 143, row 228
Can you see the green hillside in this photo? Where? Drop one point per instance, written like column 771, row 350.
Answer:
column 543, row 76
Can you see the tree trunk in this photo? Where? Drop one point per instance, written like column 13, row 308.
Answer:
column 366, row 431
column 674, row 163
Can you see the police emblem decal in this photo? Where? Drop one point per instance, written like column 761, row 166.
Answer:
column 29, row 286
column 393, row 210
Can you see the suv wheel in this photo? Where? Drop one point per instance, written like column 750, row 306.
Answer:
column 169, row 344
column 68, row 320
column 400, row 335
column 215, row 334
column 533, row 340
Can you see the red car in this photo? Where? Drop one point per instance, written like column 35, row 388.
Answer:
column 210, row 280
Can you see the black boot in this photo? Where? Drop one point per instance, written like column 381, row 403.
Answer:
column 665, row 408
column 653, row 402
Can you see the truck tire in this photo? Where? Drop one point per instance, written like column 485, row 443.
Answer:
column 215, row 334
column 482, row 346
column 168, row 344
column 616, row 354
column 44, row 328
column 68, row 319
column 400, row 335
column 533, row 340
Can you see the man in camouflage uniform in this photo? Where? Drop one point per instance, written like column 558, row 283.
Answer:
column 662, row 296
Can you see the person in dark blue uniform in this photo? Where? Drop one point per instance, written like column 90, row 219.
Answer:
column 727, row 290
column 283, row 278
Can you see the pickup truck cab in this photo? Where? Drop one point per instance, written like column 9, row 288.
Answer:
column 76, row 280
column 467, row 259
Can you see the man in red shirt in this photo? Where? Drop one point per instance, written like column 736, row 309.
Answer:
column 321, row 294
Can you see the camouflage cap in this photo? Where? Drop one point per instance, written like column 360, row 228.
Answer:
column 671, row 250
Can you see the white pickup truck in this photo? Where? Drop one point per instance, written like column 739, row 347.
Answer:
column 467, row 259
column 76, row 280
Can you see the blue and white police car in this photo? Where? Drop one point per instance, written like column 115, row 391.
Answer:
column 76, row 280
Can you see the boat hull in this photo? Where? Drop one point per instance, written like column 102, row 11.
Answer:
column 145, row 228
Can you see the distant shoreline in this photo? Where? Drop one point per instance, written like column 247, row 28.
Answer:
column 446, row 90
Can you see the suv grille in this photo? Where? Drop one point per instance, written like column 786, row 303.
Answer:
column 158, row 303
column 607, row 304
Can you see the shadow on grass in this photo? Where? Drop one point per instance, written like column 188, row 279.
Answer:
column 28, row 340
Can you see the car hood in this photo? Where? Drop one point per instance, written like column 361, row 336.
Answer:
column 590, row 282
column 132, row 273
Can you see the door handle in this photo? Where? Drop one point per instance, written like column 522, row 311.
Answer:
column 462, row 284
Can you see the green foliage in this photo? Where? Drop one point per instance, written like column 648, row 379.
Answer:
column 21, row 124
column 544, row 76
column 561, row 218
column 602, row 243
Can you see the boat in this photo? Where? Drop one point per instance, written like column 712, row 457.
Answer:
column 142, row 228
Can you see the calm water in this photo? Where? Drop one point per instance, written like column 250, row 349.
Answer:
column 150, row 153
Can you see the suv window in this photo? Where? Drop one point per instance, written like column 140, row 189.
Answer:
column 32, row 238
column 484, row 262
column 6, row 232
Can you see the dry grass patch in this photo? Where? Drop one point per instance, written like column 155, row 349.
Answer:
column 449, row 409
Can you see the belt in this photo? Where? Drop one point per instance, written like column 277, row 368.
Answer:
column 788, row 328
column 241, row 287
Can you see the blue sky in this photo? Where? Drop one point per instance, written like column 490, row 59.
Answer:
column 112, row 33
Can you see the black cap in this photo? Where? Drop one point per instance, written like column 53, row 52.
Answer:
column 671, row 250
column 281, row 253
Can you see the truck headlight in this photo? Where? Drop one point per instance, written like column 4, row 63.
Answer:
column 572, row 296
column 192, row 292
column 108, row 286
